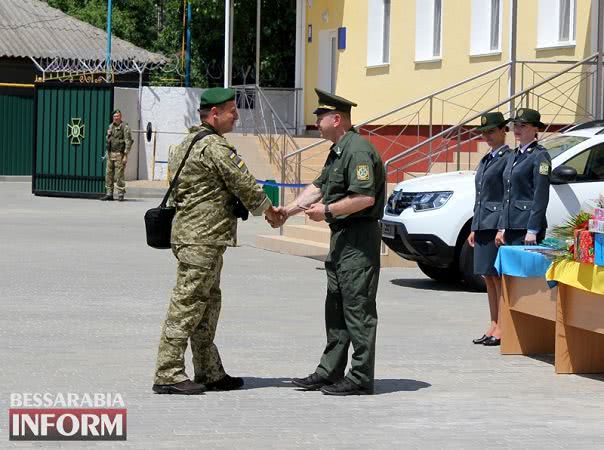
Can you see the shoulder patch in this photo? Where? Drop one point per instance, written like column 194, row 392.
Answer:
column 362, row 172
column 544, row 168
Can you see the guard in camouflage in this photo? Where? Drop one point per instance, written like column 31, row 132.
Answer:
column 211, row 181
column 119, row 142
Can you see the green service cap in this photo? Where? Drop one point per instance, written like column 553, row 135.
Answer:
column 331, row 102
column 527, row 115
column 116, row 111
column 491, row 120
column 216, row 96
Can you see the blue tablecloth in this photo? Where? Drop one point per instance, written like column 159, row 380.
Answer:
column 515, row 261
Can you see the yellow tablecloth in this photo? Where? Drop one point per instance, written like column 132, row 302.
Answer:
column 588, row 277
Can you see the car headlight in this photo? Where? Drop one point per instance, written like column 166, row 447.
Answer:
column 425, row 201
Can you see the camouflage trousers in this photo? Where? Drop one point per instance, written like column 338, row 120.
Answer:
column 192, row 315
column 114, row 173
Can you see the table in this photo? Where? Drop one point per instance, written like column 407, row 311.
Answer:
column 580, row 317
column 527, row 313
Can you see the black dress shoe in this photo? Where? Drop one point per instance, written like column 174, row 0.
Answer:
column 312, row 382
column 345, row 387
column 492, row 341
column 226, row 383
column 481, row 340
column 186, row 387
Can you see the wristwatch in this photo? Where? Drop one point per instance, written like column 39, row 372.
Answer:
column 328, row 214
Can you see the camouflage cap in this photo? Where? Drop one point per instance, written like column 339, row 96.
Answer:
column 216, row 96
column 491, row 120
column 331, row 102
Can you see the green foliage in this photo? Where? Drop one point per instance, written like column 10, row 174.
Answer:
column 157, row 25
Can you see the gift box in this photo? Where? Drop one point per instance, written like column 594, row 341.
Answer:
column 599, row 249
column 584, row 246
column 596, row 226
column 599, row 214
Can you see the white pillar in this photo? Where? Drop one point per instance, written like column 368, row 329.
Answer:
column 300, row 61
column 228, row 42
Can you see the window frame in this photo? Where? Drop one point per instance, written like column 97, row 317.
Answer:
column 549, row 24
column 479, row 16
column 378, row 39
column 436, row 35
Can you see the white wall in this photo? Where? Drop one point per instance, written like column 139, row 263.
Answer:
column 169, row 109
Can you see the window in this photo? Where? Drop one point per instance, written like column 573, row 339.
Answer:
column 428, row 29
column 589, row 164
column 378, row 32
column 557, row 23
column 485, row 36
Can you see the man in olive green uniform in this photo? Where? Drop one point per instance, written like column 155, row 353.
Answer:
column 211, row 182
column 119, row 142
column 349, row 195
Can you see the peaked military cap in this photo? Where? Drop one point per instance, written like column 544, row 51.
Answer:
column 331, row 102
column 492, row 120
column 116, row 111
column 527, row 115
column 216, row 96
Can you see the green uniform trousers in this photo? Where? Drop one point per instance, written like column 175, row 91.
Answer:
column 192, row 314
column 114, row 173
column 350, row 316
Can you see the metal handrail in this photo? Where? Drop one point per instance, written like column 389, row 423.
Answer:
column 407, row 105
column 476, row 116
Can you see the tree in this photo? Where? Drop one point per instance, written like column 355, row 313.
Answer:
column 156, row 25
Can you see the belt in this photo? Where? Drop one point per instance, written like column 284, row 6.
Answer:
column 345, row 223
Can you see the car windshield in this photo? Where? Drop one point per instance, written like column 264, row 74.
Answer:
column 559, row 144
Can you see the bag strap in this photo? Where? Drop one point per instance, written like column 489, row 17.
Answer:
column 198, row 137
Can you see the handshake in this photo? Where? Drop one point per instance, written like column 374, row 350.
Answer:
column 276, row 217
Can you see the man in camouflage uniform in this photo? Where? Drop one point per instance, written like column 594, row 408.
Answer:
column 211, row 181
column 119, row 142
column 349, row 196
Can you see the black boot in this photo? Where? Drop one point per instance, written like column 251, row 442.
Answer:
column 312, row 382
column 226, row 383
column 345, row 387
column 186, row 387
column 107, row 197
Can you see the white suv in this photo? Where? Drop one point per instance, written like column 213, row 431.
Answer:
column 428, row 219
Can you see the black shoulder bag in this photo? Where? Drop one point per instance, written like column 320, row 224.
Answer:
column 158, row 221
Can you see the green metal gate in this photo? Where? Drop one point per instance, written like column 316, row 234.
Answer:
column 16, row 131
column 71, row 122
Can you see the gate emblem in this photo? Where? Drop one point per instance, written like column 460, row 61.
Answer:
column 75, row 131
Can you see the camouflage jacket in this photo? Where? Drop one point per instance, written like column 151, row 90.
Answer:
column 210, row 181
column 119, row 137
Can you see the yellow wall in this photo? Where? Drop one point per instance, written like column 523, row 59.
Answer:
column 380, row 89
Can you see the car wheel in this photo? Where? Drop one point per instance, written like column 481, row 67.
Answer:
column 466, row 268
column 447, row 274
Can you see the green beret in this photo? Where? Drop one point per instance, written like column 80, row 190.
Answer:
column 331, row 102
column 216, row 96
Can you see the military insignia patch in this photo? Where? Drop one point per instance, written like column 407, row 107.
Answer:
column 544, row 168
column 362, row 172
column 520, row 112
column 238, row 162
column 483, row 121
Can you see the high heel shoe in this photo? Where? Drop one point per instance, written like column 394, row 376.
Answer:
column 481, row 340
column 492, row 341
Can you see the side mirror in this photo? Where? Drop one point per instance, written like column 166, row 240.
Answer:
column 563, row 174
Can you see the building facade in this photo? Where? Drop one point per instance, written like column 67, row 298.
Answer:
column 385, row 53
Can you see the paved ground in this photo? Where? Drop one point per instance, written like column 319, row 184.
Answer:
column 83, row 299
